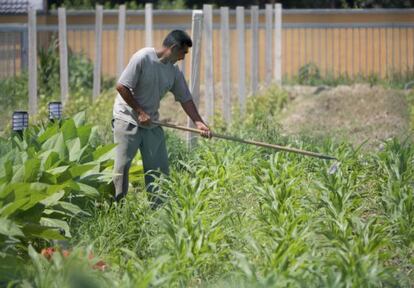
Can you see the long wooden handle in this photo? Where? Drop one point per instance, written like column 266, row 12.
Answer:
column 262, row 144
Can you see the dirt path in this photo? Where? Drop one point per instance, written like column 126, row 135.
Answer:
column 357, row 112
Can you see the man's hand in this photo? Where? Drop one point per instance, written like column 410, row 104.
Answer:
column 144, row 118
column 205, row 131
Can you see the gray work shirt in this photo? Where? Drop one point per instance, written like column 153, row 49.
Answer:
column 149, row 80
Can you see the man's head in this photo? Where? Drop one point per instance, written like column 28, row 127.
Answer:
column 176, row 45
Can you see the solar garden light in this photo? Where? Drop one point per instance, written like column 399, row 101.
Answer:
column 55, row 110
column 20, row 121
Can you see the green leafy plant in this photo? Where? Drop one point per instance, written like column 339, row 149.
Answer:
column 48, row 177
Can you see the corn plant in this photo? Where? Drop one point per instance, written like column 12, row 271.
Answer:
column 195, row 236
column 397, row 191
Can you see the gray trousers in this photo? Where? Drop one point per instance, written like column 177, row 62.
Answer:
column 151, row 143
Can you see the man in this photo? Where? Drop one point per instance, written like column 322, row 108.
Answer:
column 149, row 74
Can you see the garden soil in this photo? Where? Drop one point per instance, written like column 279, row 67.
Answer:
column 358, row 113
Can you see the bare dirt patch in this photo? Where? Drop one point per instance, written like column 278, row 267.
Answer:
column 356, row 113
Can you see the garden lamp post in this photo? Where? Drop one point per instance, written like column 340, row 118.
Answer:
column 20, row 121
column 55, row 111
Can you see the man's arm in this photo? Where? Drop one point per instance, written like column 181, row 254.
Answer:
column 192, row 112
column 126, row 94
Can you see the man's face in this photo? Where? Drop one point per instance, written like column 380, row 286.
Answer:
column 177, row 53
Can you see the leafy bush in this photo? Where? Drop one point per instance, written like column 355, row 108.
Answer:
column 47, row 178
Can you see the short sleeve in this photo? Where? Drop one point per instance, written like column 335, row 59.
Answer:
column 180, row 88
column 131, row 73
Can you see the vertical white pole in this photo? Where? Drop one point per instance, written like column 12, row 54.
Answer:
column 242, row 58
column 208, row 62
column 278, row 44
column 268, row 43
column 225, row 63
column 121, row 40
column 197, row 26
column 98, row 52
column 148, row 24
column 32, row 61
column 255, row 49
column 63, row 56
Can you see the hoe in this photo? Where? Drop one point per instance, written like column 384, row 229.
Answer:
column 332, row 170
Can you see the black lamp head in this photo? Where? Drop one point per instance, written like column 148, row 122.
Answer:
column 55, row 110
column 20, row 121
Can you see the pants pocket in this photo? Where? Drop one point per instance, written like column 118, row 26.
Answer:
column 124, row 127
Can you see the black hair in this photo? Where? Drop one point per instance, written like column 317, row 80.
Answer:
column 178, row 37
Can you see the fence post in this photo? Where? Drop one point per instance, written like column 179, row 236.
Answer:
column 255, row 49
column 268, row 43
column 98, row 52
column 225, row 63
column 241, row 58
column 121, row 40
column 196, row 31
column 208, row 62
column 148, row 24
column 32, row 30
column 278, row 44
column 63, row 56
column 24, row 50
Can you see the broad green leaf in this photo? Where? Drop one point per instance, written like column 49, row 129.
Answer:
column 3, row 191
column 50, row 143
column 61, row 173
column 84, row 134
column 36, row 230
column 10, row 228
column 48, row 178
column 79, row 119
column 93, row 171
column 18, row 175
column 58, row 170
column 27, row 195
column 8, row 171
column 88, row 190
column 31, row 151
column 94, row 138
column 68, row 208
column 74, row 148
column 56, row 223
column 82, row 169
column 69, row 129
column 6, row 189
column 49, row 159
column 60, row 147
column 12, row 207
column 31, row 170
column 49, row 132
column 53, row 199
column 77, row 152
column 104, row 152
